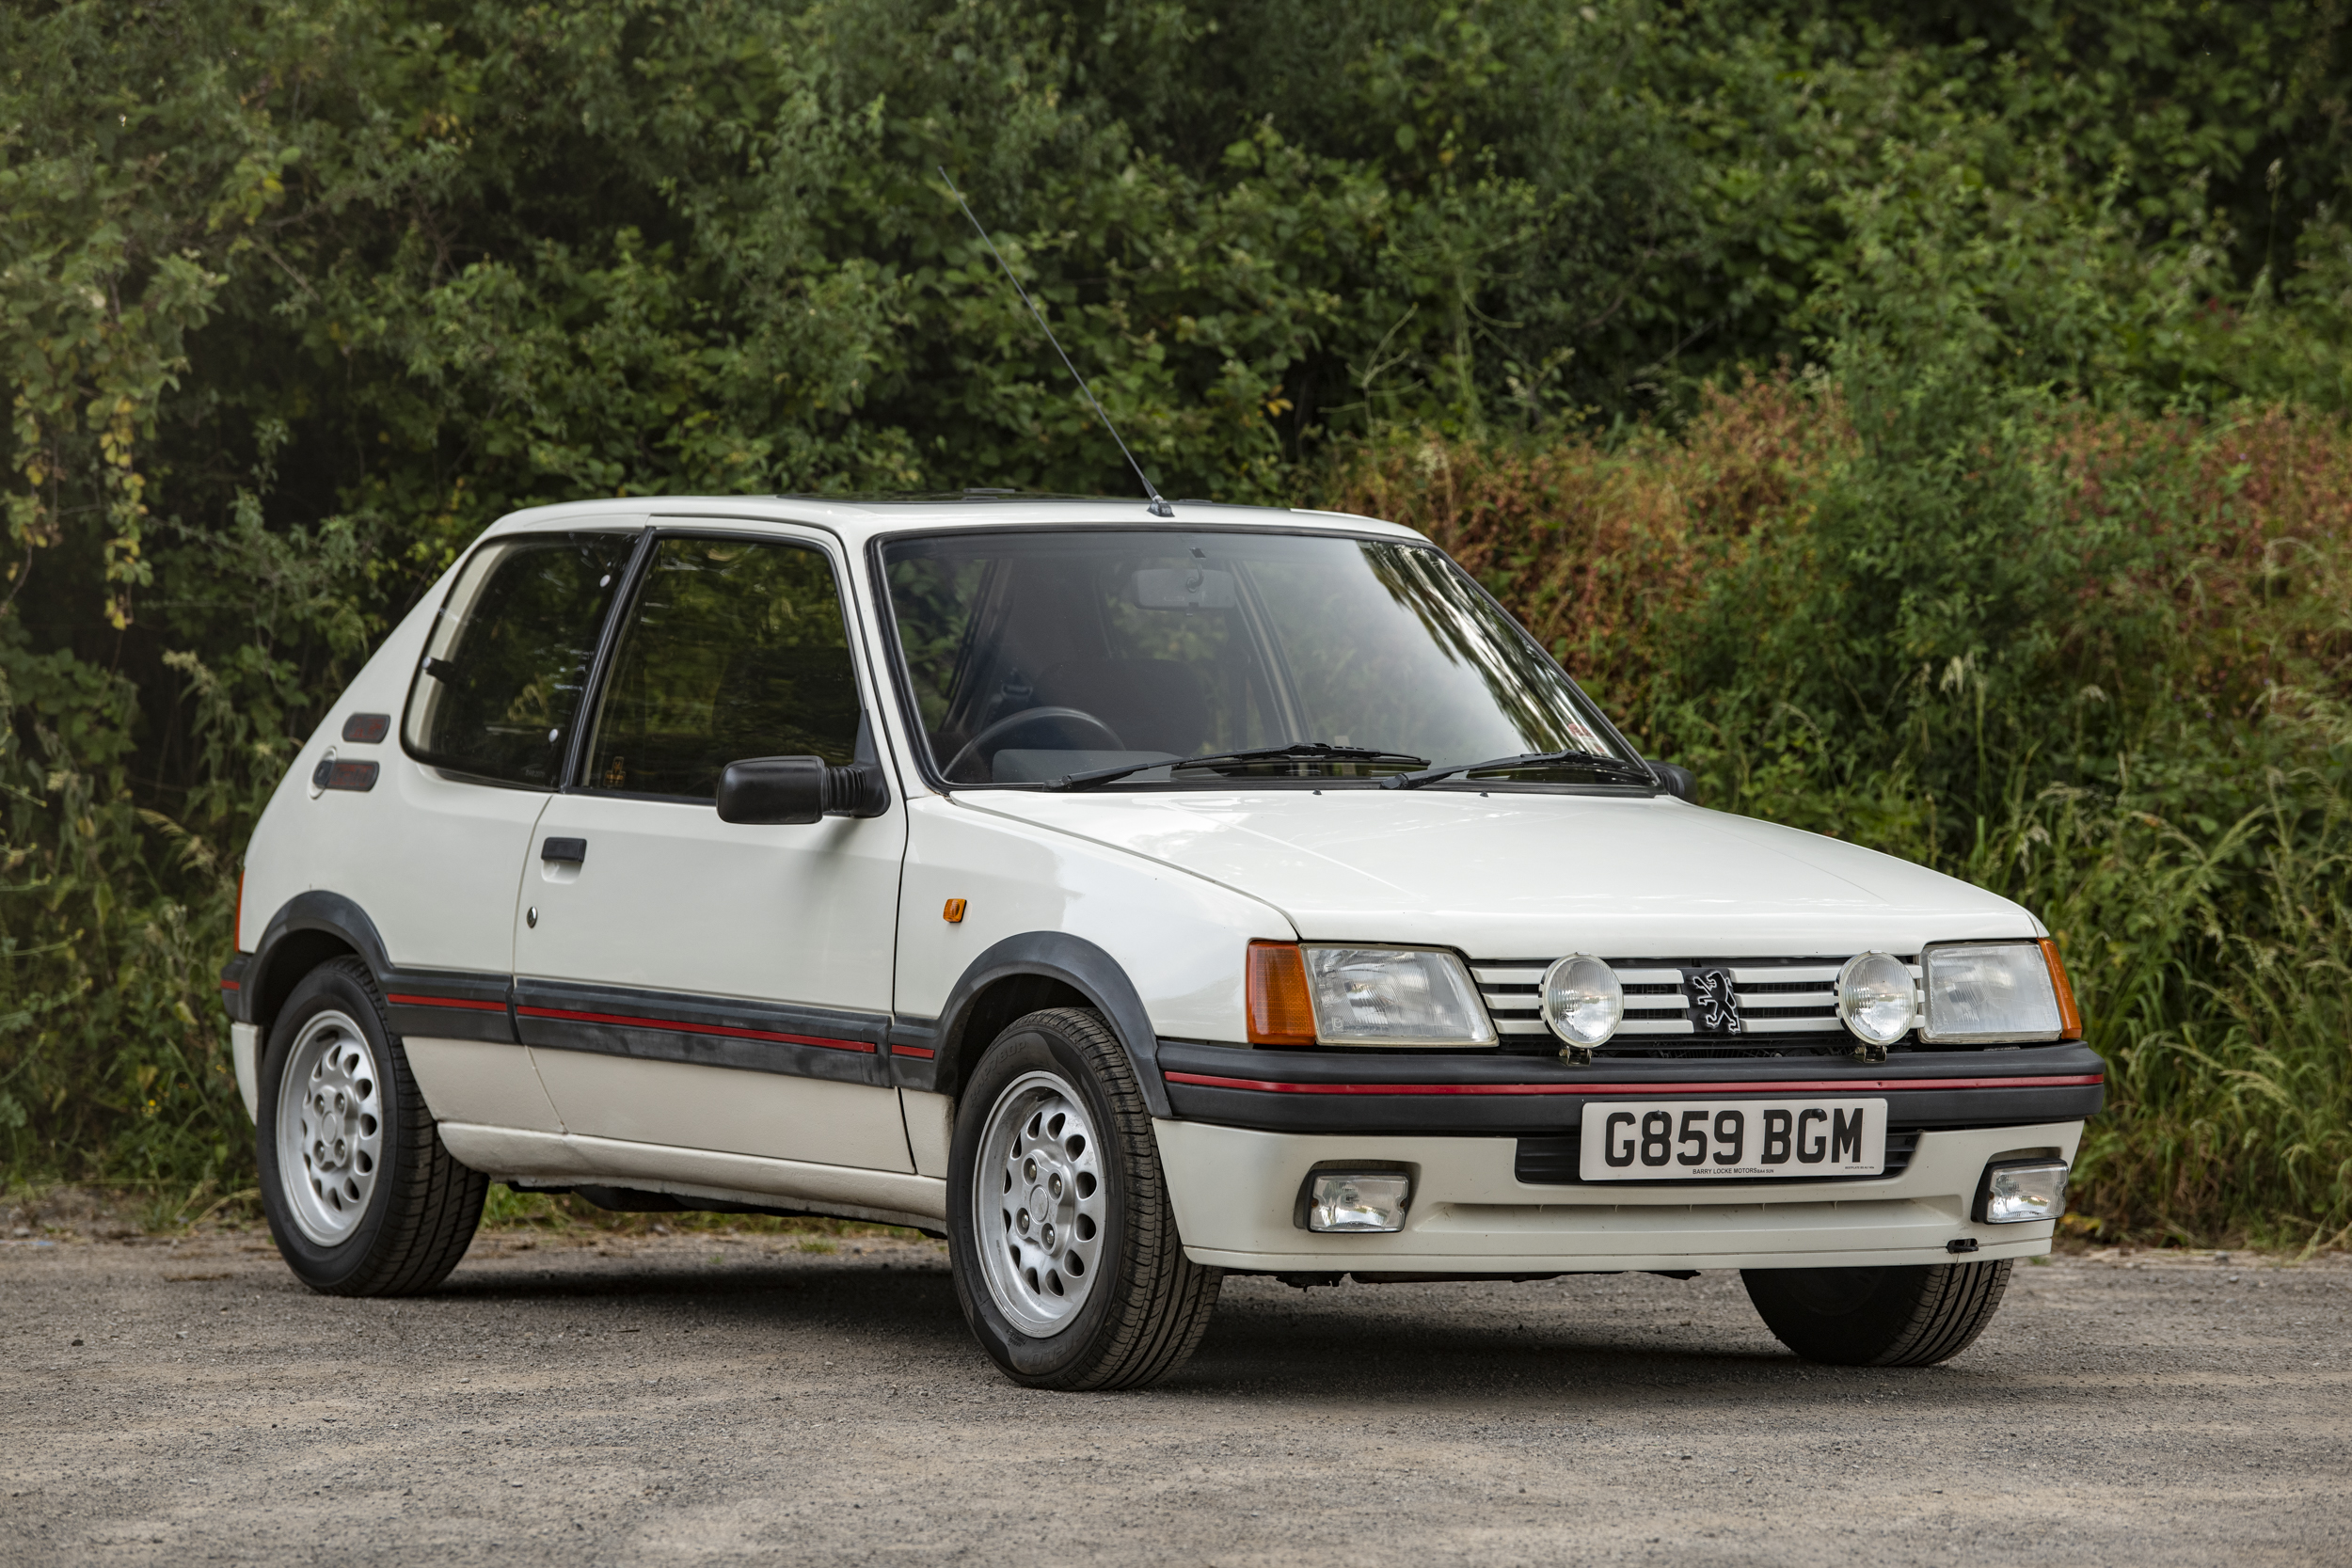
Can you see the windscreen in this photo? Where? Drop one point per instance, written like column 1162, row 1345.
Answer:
column 1035, row 656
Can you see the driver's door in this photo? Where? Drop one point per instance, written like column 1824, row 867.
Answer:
column 701, row 984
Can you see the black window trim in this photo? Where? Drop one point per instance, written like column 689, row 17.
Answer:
column 911, row 714
column 624, row 604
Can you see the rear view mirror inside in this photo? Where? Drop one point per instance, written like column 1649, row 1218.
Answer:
column 1185, row 588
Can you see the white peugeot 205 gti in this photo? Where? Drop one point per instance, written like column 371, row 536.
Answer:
column 1133, row 895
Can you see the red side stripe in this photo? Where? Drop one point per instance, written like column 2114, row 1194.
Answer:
column 1817, row 1085
column 230, row 985
column 923, row 1050
column 675, row 1027
column 446, row 1001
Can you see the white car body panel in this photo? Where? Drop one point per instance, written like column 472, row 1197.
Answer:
column 1234, row 1190
column 727, row 1110
column 1176, row 935
column 671, row 899
column 1517, row 875
column 486, row 1081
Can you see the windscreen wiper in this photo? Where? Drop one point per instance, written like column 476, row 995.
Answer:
column 1631, row 772
column 1298, row 750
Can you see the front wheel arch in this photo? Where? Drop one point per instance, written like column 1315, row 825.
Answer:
column 1067, row 971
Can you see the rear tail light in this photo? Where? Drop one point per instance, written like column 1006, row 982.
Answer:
column 1280, row 1010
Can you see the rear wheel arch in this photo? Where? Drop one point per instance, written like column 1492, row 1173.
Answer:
column 1033, row 972
column 309, row 930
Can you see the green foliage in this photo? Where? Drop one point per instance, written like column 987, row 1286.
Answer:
column 295, row 299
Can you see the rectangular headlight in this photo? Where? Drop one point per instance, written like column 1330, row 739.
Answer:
column 2018, row 1194
column 1394, row 996
column 1358, row 1200
column 1979, row 992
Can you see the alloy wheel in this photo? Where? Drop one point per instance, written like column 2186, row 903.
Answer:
column 1039, row 1204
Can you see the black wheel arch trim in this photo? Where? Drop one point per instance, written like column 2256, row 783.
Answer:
column 925, row 1056
column 253, row 983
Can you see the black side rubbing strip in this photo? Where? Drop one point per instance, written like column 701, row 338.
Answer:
column 796, row 1040
column 451, row 1004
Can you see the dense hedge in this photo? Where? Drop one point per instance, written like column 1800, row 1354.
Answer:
column 296, row 297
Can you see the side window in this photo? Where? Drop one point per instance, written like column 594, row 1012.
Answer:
column 734, row 649
column 509, row 655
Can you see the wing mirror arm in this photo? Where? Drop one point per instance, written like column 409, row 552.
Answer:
column 776, row 790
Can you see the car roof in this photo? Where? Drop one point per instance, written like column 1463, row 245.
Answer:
column 857, row 518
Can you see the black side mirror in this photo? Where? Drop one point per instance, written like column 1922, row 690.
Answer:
column 1681, row 782
column 764, row 790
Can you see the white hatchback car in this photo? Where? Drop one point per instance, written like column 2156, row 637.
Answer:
column 1132, row 900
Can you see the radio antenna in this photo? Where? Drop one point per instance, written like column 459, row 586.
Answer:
column 1159, row 507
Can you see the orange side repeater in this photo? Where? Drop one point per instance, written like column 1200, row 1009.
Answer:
column 2069, row 1016
column 1280, row 1012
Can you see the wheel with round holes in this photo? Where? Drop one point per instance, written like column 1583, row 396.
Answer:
column 1062, row 1242
column 362, row 1200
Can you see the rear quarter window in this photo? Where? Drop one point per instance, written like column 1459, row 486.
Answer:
column 501, row 682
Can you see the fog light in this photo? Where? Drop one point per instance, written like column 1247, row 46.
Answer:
column 1358, row 1200
column 2017, row 1194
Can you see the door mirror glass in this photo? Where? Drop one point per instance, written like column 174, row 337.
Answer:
column 773, row 789
column 734, row 648
column 503, row 669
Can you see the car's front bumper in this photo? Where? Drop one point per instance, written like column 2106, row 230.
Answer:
column 1235, row 1191
column 1491, row 1092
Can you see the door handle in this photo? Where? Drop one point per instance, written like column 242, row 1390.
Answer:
column 574, row 850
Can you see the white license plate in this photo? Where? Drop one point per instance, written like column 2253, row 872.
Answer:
column 1676, row 1140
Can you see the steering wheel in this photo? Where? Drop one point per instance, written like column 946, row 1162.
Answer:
column 1027, row 716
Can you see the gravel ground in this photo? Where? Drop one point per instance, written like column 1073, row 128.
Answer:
column 582, row 1399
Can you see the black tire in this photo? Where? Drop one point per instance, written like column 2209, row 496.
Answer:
column 1913, row 1316
column 419, row 1211
column 1147, row 1304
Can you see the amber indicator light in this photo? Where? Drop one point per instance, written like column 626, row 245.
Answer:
column 2069, row 1016
column 1280, row 1011
column 953, row 913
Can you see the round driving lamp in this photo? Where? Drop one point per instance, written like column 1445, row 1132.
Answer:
column 1877, row 998
column 1582, row 1001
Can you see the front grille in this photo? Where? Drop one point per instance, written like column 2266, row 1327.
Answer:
column 1553, row 1161
column 1787, row 1006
